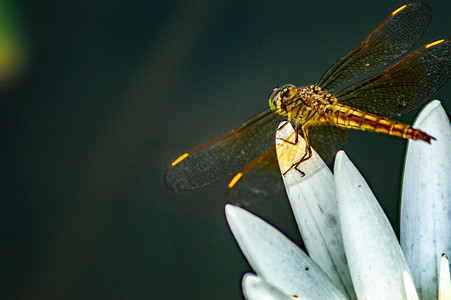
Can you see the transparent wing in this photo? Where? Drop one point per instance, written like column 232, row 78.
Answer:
column 259, row 180
column 262, row 178
column 224, row 155
column 327, row 139
column 404, row 86
column 391, row 39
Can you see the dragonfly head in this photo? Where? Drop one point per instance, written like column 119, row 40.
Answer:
column 281, row 97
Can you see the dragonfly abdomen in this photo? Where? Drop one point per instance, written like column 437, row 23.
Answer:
column 349, row 117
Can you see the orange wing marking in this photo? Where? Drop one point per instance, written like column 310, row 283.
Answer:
column 181, row 157
column 435, row 43
column 398, row 10
column 234, row 180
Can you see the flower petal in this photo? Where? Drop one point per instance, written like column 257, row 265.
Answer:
column 255, row 288
column 426, row 200
column 312, row 199
column 411, row 292
column 444, row 292
column 277, row 259
column 374, row 256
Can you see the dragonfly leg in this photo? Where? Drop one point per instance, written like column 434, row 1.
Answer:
column 308, row 151
column 295, row 138
column 284, row 124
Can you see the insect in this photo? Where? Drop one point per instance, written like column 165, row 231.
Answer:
column 319, row 113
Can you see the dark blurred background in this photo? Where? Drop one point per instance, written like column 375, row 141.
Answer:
column 98, row 97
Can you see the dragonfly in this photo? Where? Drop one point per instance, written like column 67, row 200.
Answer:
column 321, row 113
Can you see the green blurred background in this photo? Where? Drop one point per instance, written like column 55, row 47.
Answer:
column 98, row 97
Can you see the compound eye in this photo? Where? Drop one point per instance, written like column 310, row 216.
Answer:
column 276, row 101
column 273, row 93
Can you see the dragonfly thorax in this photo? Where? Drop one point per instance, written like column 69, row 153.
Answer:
column 300, row 103
column 314, row 97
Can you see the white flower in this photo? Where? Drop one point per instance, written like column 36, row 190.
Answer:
column 353, row 251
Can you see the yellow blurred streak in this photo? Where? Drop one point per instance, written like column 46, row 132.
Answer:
column 13, row 43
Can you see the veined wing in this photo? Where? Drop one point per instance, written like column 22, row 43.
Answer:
column 404, row 86
column 391, row 39
column 262, row 178
column 224, row 155
column 258, row 180
column 327, row 139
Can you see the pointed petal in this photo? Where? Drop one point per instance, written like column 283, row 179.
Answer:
column 444, row 292
column 255, row 288
column 426, row 200
column 411, row 292
column 312, row 199
column 277, row 259
column 374, row 255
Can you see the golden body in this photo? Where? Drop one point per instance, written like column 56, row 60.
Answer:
column 310, row 105
column 320, row 112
